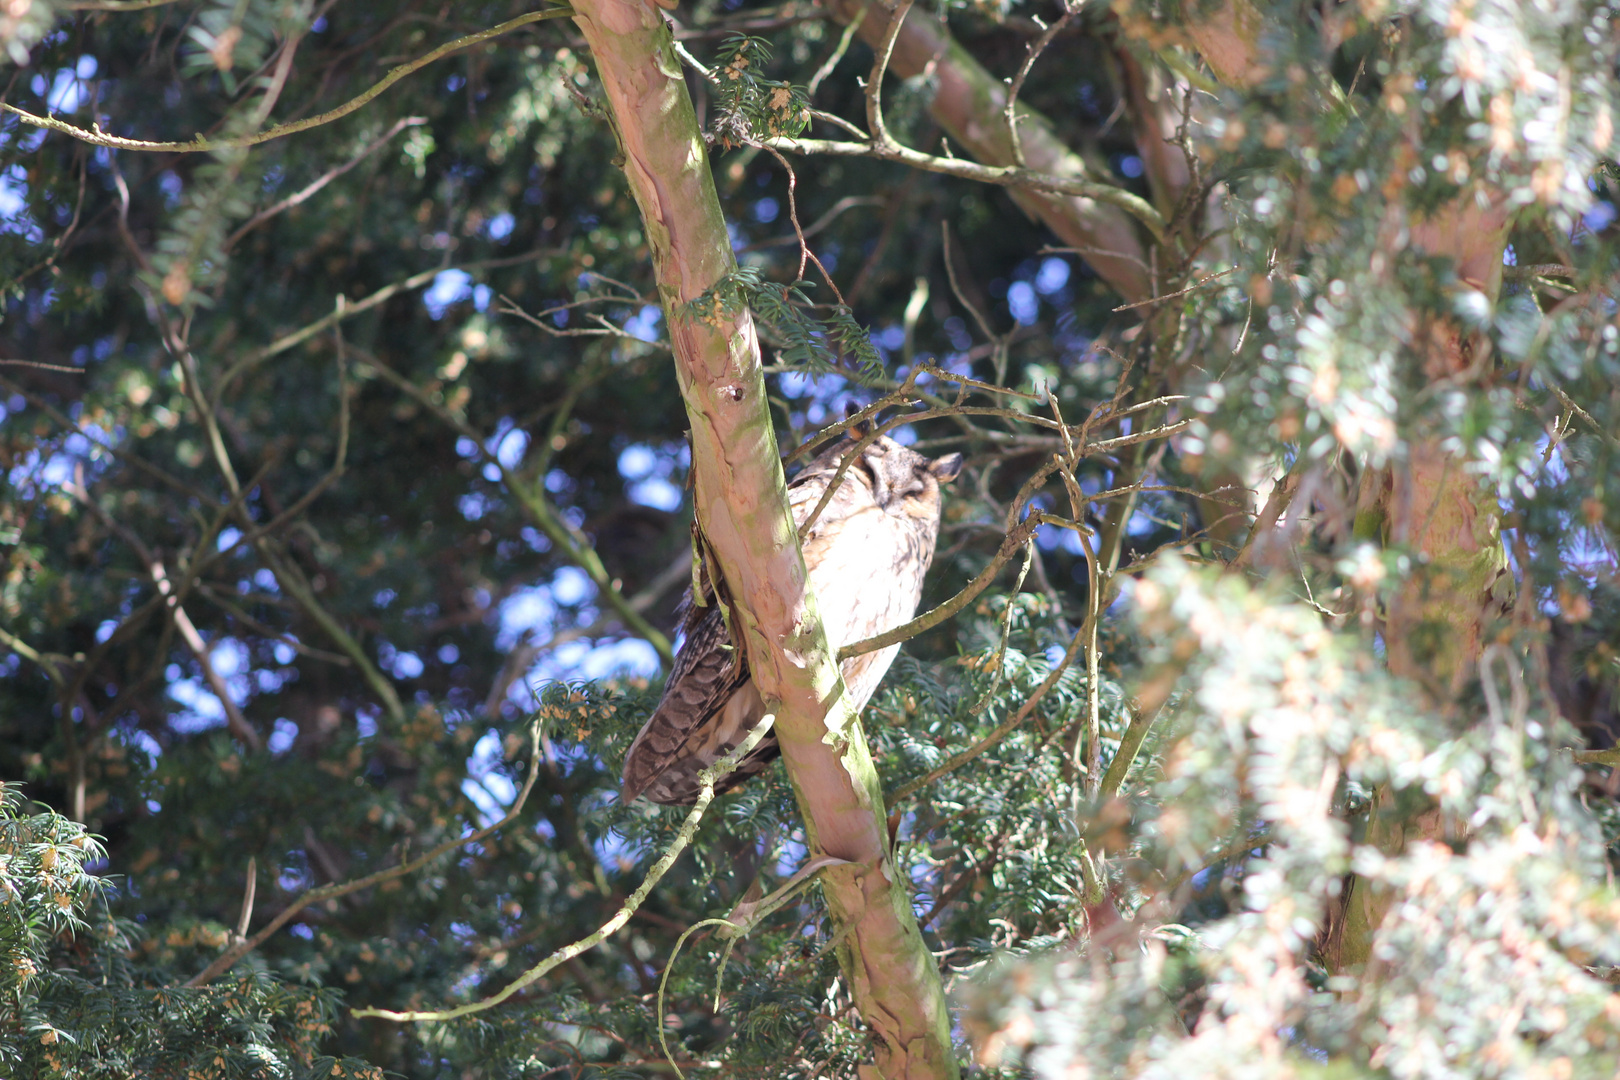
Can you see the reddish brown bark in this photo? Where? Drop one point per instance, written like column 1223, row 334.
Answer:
column 741, row 505
column 1427, row 502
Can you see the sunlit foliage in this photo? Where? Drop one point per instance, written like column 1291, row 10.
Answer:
column 333, row 462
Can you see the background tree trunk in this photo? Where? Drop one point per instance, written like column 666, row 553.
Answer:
column 970, row 104
column 1436, row 623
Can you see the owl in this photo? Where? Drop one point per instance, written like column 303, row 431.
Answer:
column 867, row 554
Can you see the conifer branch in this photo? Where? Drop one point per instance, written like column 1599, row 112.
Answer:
column 1010, row 176
column 228, row 959
column 683, row 837
column 198, row 144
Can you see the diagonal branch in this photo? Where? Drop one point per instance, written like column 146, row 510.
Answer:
column 348, row 310
column 96, row 137
column 46, row 661
column 999, row 732
column 226, row 960
column 707, row 779
column 521, row 657
column 1011, row 545
column 114, row 5
column 1011, row 176
column 305, row 193
column 234, row 720
column 573, row 543
column 970, row 104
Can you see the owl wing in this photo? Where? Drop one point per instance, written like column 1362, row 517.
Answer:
column 707, row 674
column 710, row 703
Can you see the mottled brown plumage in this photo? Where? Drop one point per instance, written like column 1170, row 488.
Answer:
column 866, row 553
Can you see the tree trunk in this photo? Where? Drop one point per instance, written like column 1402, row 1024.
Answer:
column 741, row 505
column 1428, row 503
column 1435, row 625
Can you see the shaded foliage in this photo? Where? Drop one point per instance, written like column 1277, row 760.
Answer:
column 359, row 401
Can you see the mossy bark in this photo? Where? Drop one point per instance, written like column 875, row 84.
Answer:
column 741, row 504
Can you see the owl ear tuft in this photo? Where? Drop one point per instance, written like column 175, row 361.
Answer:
column 946, row 468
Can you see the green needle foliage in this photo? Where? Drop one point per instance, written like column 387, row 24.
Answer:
column 335, row 462
column 807, row 344
column 1504, row 940
column 78, row 1000
column 751, row 107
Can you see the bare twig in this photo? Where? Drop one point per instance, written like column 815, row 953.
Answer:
column 228, row 959
column 805, row 254
column 874, row 81
column 1093, row 726
column 1011, row 544
column 848, row 202
column 96, row 137
column 706, row 781
column 234, row 720
column 1001, row 730
column 227, row 604
column 339, row 459
column 956, row 288
column 604, row 328
column 46, row 661
column 518, row 661
column 573, row 544
column 245, row 918
column 837, row 55
column 1034, row 51
column 349, row 310
column 1006, row 633
column 43, row 367
column 114, row 5
column 1200, row 283
column 59, row 243
column 326, row 178
column 1015, row 534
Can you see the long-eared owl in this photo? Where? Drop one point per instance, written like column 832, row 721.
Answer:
column 866, row 553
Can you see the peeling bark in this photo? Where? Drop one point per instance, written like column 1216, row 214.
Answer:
column 1429, row 503
column 1435, row 625
column 1228, row 38
column 741, row 503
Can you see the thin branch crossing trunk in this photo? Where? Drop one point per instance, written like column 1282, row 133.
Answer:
column 741, row 503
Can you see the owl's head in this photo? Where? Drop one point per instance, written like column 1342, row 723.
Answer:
column 902, row 480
